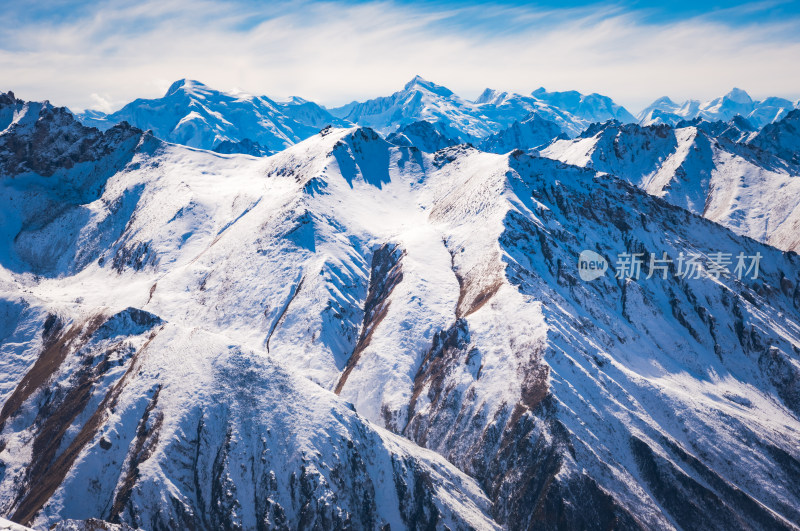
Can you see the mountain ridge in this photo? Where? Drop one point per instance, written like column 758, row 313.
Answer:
column 355, row 332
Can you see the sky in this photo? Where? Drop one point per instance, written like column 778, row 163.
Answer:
column 101, row 55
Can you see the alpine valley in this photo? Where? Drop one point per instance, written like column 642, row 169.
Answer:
column 226, row 311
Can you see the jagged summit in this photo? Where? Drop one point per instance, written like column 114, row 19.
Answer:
column 193, row 114
column 590, row 107
column 708, row 168
column 724, row 108
column 739, row 96
column 352, row 333
column 418, row 82
column 665, row 101
column 491, row 96
column 186, row 85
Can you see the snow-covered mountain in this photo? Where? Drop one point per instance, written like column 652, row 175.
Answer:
column 195, row 115
column 490, row 113
column 245, row 146
column 781, row 138
column 114, row 412
column 590, row 108
column 420, row 100
column 425, row 136
column 735, row 103
column 531, row 133
column 351, row 333
column 751, row 191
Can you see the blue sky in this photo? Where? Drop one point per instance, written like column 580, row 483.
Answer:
column 103, row 54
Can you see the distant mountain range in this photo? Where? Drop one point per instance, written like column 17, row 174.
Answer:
column 735, row 103
column 196, row 115
column 192, row 114
column 748, row 181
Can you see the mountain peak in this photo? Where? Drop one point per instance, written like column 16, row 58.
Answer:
column 187, row 85
column 419, row 82
column 664, row 100
column 739, row 96
column 490, row 96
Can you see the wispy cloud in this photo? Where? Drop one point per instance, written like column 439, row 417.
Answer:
column 333, row 52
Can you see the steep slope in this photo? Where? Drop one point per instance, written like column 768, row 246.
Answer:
column 595, row 367
column 244, row 146
column 127, row 404
column 195, row 115
column 492, row 112
column 781, row 138
column 533, row 132
column 749, row 190
column 425, row 136
column 419, row 100
column 507, row 108
column 120, row 413
column 736, row 103
column 589, row 107
column 226, row 296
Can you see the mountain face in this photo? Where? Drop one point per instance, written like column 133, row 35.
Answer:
column 590, row 108
column 195, row 115
column 245, row 146
column 781, row 138
column 532, row 133
column 355, row 334
column 736, row 103
column 749, row 190
column 471, row 121
column 44, row 145
column 170, row 424
column 420, row 100
column 425, row 136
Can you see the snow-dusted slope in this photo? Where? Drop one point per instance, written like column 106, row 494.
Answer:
column 426, row 136
column 195, row 115
column 531, row 133
column 781, row 138
column 196, row 367
column 491, row 112
column 736, row 103
column 167, row 421
column 589, row 107
column 419, row 100
column 144, row 412
column 507, row 108
column 753, row 192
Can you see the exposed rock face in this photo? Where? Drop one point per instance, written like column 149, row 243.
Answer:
column 245, row 146
column 46, row 141
column 781, row 138
column 352, row 334
column 750, row 187
column 532, row 133
column 426, row 136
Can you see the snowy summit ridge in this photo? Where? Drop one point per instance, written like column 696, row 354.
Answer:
column 384, row 325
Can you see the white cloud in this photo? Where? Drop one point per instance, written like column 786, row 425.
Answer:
column 101, row 103
column 333, row 53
